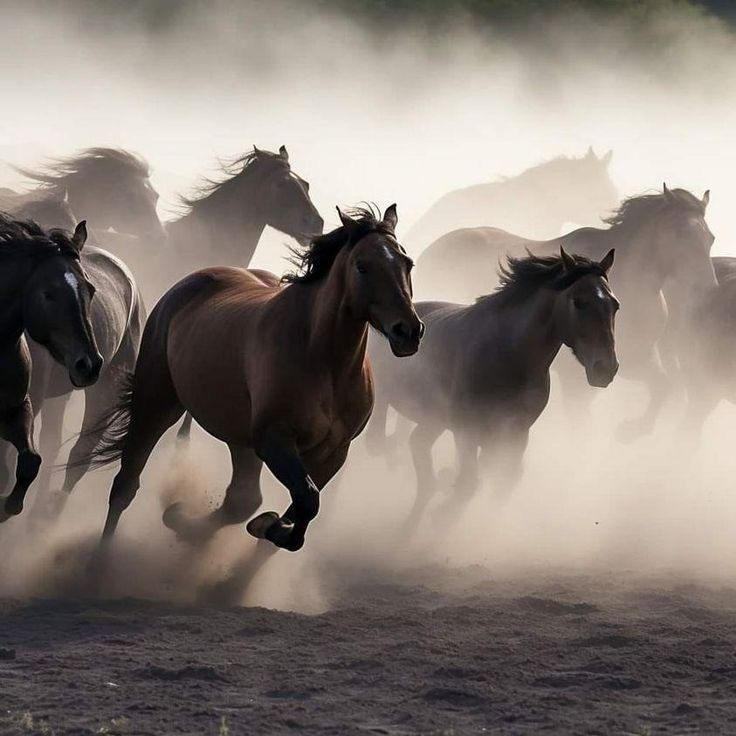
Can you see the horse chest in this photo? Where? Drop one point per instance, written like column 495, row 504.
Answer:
column 337, row 419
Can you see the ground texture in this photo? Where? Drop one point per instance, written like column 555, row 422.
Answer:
column 427, row 652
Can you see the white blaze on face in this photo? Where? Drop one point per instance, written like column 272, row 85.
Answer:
column 72, row 281
column 389, row 254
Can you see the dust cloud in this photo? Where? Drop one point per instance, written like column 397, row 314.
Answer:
column 388, row 111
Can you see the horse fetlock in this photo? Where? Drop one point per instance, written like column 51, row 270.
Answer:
column 28, row 465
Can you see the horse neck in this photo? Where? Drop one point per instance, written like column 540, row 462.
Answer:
column 528, row 327
column 336, row 336
column 13, row 277
column 227, row 219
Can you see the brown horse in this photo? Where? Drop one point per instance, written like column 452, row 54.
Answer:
column 45, row 292
column 279, row 374
column 660, row 240
column 483, row 370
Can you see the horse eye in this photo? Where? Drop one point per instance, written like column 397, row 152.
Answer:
column 362, row 268
column 579, row 303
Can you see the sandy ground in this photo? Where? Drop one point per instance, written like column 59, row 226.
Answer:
column 433, row 651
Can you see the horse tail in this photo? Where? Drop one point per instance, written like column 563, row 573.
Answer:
column 113, row 427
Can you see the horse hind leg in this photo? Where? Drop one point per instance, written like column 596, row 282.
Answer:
column 154, row 408
column 242, row 499
column 16, row 426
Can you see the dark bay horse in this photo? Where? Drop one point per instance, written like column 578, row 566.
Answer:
column 225, row 223
column 45, row 292
column 536, row 203
column 483, row 370
column 660, row 239
column 109, row 185
column 278, row 373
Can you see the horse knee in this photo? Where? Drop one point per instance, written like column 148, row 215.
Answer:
column 122, row 492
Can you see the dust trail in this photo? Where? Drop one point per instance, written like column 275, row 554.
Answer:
column 389, row 111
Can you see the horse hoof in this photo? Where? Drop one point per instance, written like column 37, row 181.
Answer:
column 258, row 526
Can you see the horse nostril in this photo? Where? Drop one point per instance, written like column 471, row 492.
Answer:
column 421, row 330
column 83, row 366
column 400, row 330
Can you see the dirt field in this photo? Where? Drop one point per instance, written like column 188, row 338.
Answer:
column 430, row 651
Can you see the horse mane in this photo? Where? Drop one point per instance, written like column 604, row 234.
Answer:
column 19, row 237
column 315, row 260
column 232, row 172
column 550, row 166
column 521, row 277
column 634, row 210
column 58, row 172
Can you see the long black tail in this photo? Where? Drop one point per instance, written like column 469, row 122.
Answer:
column 114, row 426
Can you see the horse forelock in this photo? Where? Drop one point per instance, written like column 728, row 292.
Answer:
column 314, row 261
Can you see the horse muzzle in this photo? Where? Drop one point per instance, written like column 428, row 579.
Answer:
column 600, row 373
column 404, row 337
column 85, row 370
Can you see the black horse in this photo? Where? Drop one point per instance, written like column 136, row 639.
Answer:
column 483, row 370
column 45, row 292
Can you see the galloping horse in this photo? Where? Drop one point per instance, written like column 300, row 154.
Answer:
column 483, row 370
column 225, row 223
column 659, row 239
column 537, row 202
column 116, row 314
column 279, row 373
column 44, row 291
column 110, row 185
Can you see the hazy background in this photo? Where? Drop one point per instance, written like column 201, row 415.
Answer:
column 383, row 101
column 403, row 101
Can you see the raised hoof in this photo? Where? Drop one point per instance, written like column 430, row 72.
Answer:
column 9, row 507
column 259, row 525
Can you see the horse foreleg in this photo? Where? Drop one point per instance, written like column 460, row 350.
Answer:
column 421, row 441
column 52, row 422
column 242, row 499
column 16, row 426
column 279, row 453
column 651, row 374
column 504, row 459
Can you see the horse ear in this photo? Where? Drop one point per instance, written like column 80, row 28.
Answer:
column 706, row 198
column 390, row 217
column 607, row 261
column 284, row 153
column 346, row 220
column 590, row 154
column 606, row 157
column 256, row 151
column 567, row 260
column 80, row 235
column 667, row 193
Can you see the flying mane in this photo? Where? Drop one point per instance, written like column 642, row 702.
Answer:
column 88, row 164
column 314, row 261
column 521, row 277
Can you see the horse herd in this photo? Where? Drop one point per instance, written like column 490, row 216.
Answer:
column 278, row 368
